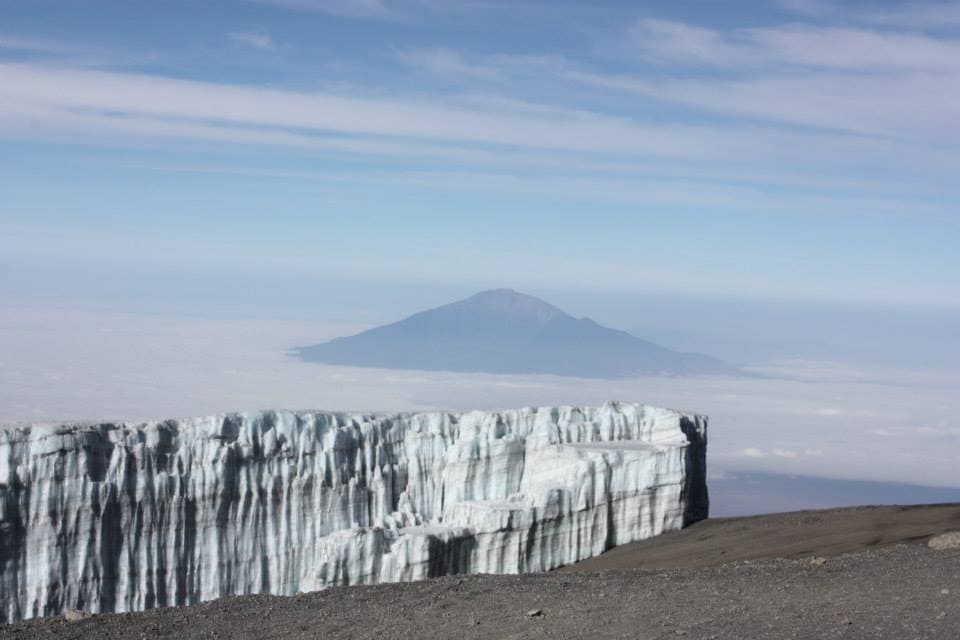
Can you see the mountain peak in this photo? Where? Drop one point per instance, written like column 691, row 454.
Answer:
column 505, row 331
column 509, row 302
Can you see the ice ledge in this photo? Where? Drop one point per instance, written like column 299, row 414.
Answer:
column 123, row 517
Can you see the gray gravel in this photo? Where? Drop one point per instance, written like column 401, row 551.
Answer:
column 798, row 534
column 897, row 592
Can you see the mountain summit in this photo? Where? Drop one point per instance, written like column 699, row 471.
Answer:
column 503, row 331
column 508, row 303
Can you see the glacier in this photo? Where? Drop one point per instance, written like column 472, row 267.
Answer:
column 116, row 517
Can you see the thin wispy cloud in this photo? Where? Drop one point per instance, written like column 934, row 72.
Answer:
column 882, row 84
column 898, row 85
column 37, row 90
column 920, row 15
column 936, row 14
column 394, row 10
column 17, row 43
column 827, row 114
column 480, row 134
column 813, row 47
column 66, row 52
column 255, row 39
column 679, row 43
column 673, row 171
column 379, row 9
column 60, row 94
column 448, row 63
column 57, row 97
column 808, row 7
column 452, row 64
column 869, row 105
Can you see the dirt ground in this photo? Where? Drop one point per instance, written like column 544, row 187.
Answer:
column 842, row 573
column 798, row 534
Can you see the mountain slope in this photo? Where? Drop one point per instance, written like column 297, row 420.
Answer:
column 502, row 331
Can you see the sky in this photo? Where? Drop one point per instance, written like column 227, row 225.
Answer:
column 188, row 189
column 796, row 151
column 801, row 421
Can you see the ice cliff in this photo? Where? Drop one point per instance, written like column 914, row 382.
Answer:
column 124, row 517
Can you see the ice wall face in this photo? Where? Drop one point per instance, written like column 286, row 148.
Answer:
column 122, row 517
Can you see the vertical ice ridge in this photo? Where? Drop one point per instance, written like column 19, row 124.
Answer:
column 123, row 517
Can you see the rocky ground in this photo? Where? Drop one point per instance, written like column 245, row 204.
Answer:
column 798, row 534
column 845, row 573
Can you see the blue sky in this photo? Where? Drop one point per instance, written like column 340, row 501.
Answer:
column 188, row 189
column 801, row 150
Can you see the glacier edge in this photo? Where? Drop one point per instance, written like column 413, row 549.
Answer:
column 114, row 517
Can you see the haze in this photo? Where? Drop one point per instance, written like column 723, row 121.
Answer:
column 188, row 190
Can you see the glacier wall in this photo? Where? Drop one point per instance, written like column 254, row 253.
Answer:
column 124, row 517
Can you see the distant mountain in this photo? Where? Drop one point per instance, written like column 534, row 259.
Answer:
column 502, row 331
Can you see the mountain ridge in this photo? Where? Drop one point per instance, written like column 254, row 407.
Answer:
column 508, row 332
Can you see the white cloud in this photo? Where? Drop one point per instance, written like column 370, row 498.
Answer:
column 920, row 108
column 895, row 85
column 915, row 15
column 784, row 453
column 67, row 104
column 879, row 104
column 829, row 412
column 346, row 8
column 446, row 62
column 38, row 98
column 450, row 63
column 31, row 44
column 858, row 49
column 254, row 39
column 402, row 10
column 668, row 41
column 778, row 452
column 922, row 15
column 808, row 7
column 679, row 43
column 208, row 361
column 35, row 90
column 77, row 99
column 932, row 431
column 69, row 52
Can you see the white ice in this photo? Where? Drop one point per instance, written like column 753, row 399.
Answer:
column 124, row 517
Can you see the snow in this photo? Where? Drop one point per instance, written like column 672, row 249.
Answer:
column 125, row 517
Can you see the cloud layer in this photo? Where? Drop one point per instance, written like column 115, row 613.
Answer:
column 802, row 97
column 159, row 366
column 840, row 122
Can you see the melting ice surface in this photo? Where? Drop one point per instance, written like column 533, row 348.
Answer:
column 124, row 517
